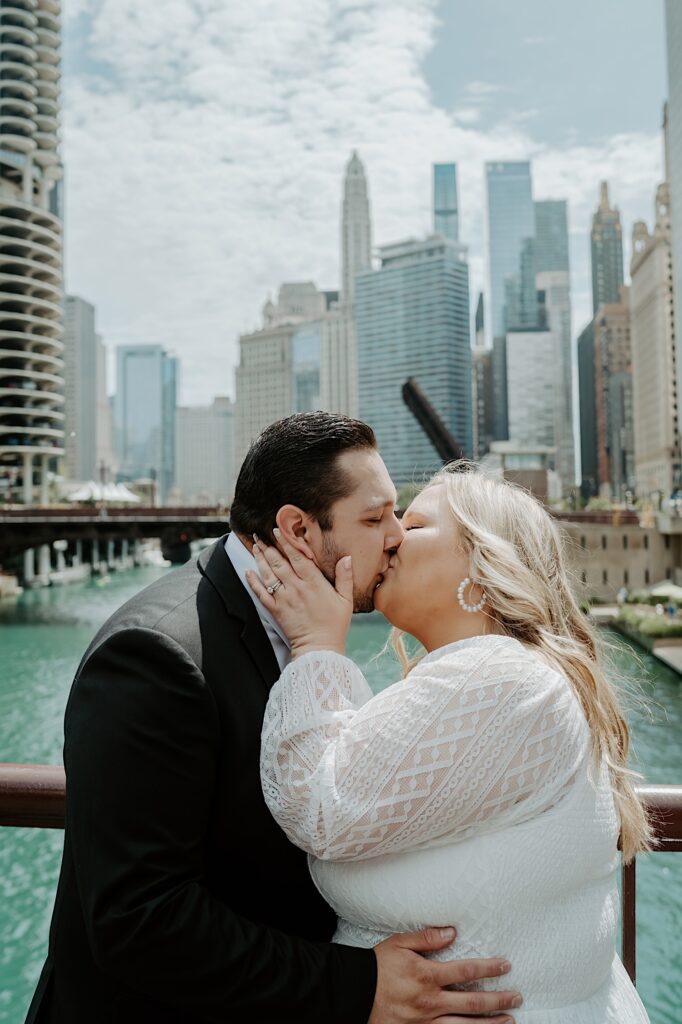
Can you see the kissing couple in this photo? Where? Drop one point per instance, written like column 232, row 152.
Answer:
column 252, row 835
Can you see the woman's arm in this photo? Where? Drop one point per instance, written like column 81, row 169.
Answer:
column 483, row 736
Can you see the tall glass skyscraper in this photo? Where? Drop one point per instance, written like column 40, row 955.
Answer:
column 144, row 414
column 607, row 252
column 445, row 201
column 511, row 220
column 673, row 10
column 551, row 235
column 412, row 320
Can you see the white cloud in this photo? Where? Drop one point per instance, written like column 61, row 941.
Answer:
column 205, row 167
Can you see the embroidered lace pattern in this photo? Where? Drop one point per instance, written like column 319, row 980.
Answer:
column 481, row 735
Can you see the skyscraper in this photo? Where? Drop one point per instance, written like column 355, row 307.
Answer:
column 654, row 381
column 589, row 468
column 81, row 366
column 511, row 220
column 607, row 252
column 551, row 235
column 445, row 201
column 203, row 449
column 481, row 387
column 531, row 395
column 338, row 354
column 356, row 227
column 554, row 294
column 31, row 373
column 413, row 321
column 613, row 398
column 673, row 11
column 144, row 415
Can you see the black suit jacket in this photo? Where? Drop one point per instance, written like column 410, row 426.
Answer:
column 179, row 898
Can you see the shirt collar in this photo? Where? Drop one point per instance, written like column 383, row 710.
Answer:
column 242, row 560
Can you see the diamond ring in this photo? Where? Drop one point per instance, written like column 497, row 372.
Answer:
column 274, row 587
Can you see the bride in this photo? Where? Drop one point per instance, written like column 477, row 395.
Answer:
column 488, row 788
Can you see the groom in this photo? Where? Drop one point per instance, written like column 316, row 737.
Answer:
column 180, row 901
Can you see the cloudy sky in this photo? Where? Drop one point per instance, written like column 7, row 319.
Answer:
column 205, row 141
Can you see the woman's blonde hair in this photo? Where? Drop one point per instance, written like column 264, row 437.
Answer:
column 516, row 553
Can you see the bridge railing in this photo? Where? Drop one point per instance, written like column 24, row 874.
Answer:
column 33, row 796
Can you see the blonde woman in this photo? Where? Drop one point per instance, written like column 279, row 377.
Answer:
column 488, row 788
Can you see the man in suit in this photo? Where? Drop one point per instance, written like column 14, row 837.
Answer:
column 180, row 901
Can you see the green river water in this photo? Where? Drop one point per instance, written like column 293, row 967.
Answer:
column 42, row 637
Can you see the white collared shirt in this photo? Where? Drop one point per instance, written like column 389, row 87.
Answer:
column 242, row 560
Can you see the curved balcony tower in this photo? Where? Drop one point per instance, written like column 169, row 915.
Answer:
column 31, row 294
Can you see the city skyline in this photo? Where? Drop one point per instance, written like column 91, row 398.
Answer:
column 206, row 222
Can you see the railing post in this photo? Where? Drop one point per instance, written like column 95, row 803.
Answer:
column 629, row 918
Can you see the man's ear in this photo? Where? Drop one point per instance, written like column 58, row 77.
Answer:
column 295, row 525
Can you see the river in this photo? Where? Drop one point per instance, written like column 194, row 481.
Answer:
column 42, row 637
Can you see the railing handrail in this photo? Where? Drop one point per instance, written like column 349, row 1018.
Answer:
column 34, row 795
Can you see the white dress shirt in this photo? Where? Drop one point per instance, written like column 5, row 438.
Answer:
column 242, row 560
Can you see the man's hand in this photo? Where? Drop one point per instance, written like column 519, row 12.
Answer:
column 413, row 990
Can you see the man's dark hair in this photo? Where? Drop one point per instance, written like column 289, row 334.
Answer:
column 295, row 462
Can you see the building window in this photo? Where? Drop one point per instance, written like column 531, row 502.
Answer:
column 583, row 543
column 604, row 576
column 584, row 577
column 668, row 573
column 626, row 577
column 646, row 576
column 625, row 542
column 667, row 541
column 603, row 542
column 646, row 542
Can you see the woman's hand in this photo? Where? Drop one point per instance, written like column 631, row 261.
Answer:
column 314, row 615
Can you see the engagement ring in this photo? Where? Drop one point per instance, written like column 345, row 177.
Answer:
column 274, row 587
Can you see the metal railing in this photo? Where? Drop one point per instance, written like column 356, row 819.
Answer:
column 33, row 796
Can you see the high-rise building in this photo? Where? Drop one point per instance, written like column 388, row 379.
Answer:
column 531, row 395
column 511, row 269
column 445, row 201
column 279, row 365
column 31, row 367
column 203, row 453
column 413, row 321
column 511, row 220
column 589, row 466
column 338, row 351
column 673, row 11
column 105, row 455
column 81, row 365
column 654, row 379
column 613, row 399
column 554, row 297
column 607, row 252
column 551, row 235
column 482, row 387
column 144, row 415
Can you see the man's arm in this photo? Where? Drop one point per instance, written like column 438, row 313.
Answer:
column 140, row 756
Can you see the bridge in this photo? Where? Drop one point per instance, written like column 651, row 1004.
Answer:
column 87, row 530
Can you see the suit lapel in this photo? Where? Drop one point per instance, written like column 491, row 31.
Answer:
column 218, row 569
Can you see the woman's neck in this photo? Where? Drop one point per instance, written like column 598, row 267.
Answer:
column 440, row 634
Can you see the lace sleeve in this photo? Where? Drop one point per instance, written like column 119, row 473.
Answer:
column 483, row 736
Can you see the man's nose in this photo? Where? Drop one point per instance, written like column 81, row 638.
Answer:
column 394, row 534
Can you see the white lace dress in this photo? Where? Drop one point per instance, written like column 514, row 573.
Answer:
column 460, row 796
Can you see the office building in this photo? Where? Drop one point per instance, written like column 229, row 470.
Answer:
column 144, row 415
column 654, row 378
column 83, row 356
column 511, row 220
column 606, row 246
column 279, row 369
column 531, row 388
column 413, row 321
column 31, row 347
column 613, row 399
column 589, row 469
column 482, row 387
column 203, row 450
column 445, row 201
column 551, row 235
column 554, row 301
column 338, row 345
column 673, row 11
